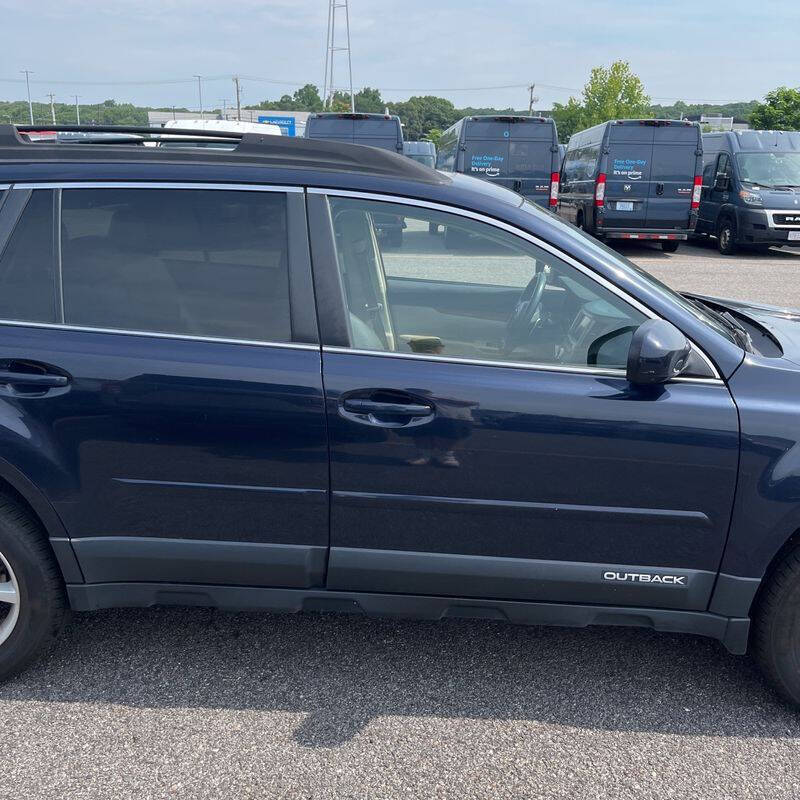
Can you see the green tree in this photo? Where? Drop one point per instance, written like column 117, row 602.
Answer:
column 780, row 111
column 420, row 114
column 369, row 101
column 614, row 93
column 569, row 118
column 433, row 135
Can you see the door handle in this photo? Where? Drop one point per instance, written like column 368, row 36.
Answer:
column 659, row 188
column 358, row 405
column 38, row 380
column 398, row 410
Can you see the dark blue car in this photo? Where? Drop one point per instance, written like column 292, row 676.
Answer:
column 219, row 388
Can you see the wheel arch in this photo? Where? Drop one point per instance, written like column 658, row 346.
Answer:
column 17, row 485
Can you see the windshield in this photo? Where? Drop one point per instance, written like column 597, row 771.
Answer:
column 696, row 308
column 770, row 169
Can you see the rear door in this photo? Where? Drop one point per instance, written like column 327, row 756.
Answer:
column 628, row 175
column 485, row 151
column 337, row 129
column 176, row 423
column 531, row 159
column 674, row 161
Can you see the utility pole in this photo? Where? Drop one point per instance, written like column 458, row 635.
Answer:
column 329, row 87
column 224, row 101
column 533, row 99
column 200, row 92
column 28, row 84
column 52, row 108
column 173, row 112
column 77, row 110
column 238, row 98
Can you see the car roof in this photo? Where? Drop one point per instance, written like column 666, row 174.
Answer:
column 284, row 152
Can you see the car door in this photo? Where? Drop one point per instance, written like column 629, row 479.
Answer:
column 484, row 440
column 161, row 379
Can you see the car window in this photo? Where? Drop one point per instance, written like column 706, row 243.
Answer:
column 196, row 262
column 27, row 264
column 421, row 281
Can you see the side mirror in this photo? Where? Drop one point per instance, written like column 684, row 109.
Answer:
column 658, row 352
column 722, row 183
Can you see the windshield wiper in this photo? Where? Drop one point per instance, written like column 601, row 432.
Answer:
column 729, row 322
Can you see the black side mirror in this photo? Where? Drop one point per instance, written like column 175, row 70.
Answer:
column 658, row 352
column 722, row 183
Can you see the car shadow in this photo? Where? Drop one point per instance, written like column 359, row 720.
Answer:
column 343, row 671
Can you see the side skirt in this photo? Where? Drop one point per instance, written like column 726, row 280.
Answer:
column 732, row 632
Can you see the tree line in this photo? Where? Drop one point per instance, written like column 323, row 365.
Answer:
column 612, row 92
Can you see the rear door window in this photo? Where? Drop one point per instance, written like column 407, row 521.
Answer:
column 209, row 263
column 27, row 261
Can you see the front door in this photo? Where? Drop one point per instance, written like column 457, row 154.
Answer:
column 484, row 441
column 168, row 398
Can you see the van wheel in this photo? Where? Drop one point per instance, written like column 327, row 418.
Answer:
column 726, row 237
column 32, row 599
column 669, row 246
column 579, row 222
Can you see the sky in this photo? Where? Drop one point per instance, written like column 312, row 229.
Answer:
column 147, row 51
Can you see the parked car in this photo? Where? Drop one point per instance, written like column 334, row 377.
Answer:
column 424, row 152
column 374, row 130
column 517, row 152
column 634, row 179
column 751, row 189
column 218, row 387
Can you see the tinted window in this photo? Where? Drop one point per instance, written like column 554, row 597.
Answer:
column 470, row 291
column 201, row 263
column 27, row 264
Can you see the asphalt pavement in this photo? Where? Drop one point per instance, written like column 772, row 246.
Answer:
column 169, row 703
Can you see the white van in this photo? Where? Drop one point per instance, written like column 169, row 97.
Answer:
column 210, row 125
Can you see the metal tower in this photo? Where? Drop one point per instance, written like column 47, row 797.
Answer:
column 329, row 88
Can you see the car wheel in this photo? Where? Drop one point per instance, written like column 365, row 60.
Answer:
column 32, row 598
column 670, row 246
column 776, row 628
column 726, row 237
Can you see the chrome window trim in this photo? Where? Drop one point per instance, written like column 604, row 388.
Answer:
column 770, row 212
column 145, row 184
column 529, row 237
column 608, row 372
column 156, row 335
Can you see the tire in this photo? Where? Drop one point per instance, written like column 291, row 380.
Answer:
column 29, row 570
column 776, row 628
column 670, row 246
column 726, row 237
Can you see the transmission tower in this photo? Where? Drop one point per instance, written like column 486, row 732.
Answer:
column 331, row 49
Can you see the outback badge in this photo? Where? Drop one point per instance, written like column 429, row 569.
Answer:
column 645, row 577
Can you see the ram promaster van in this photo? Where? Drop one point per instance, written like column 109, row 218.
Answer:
column 751, row 189
column 634, row 179
column 375, row 130
column 520, row 153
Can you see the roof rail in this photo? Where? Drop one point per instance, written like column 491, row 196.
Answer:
column 285, row 152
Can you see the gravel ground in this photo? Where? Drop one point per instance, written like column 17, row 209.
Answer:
column 197, row 704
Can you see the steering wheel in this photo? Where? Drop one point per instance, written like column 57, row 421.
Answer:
column 524, row 317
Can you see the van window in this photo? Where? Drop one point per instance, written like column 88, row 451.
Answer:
column 27, row 264
column 209, row 263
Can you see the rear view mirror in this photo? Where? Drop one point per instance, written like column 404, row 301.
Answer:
column 658, row 353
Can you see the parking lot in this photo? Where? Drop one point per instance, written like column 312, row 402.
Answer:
column 196, row 704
